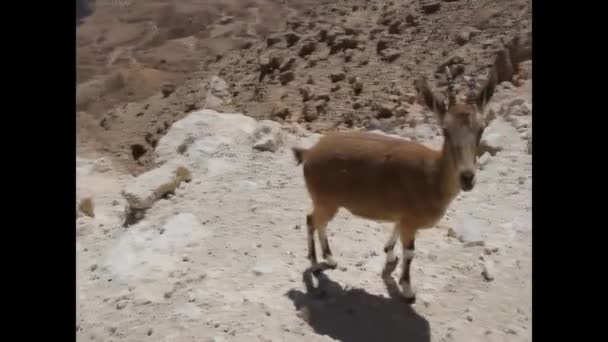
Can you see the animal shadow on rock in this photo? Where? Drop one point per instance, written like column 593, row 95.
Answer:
column 353, row 315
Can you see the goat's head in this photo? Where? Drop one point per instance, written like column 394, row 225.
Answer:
column 463, row 120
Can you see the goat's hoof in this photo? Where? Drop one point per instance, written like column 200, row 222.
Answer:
column 408, row 294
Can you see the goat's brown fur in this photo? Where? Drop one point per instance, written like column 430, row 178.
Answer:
column 390, row 179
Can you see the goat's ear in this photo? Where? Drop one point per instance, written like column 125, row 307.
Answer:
column 487, row 91
column 431, row 100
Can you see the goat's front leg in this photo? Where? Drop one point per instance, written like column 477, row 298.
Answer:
column 389, row 249
column 408, row 236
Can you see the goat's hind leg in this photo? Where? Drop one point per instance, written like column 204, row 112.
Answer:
column 326, row 250
column 389, row 247
column 317, row 221
column 312, row 252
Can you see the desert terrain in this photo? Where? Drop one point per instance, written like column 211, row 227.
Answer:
column 198, row 103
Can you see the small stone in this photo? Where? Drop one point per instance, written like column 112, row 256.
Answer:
column 411, row 19
column 395, row 27
column 385, row 110
column 93, row 267
column 488, row 270
column 226, row 19
column 102, row 165
column 517, row 102
column 348, row 55
column 474, row 243
column 272, row 39
column 467, row 232
column 307, row 48
column 462, row 37
column 390, row 55
column 483, row 160
column 309, row 113
column 322, row 97
column 321, row 106
column 426, row 299
column 262, row 270
column 307, row 91
column 490, row 251
column 291, row 38
column 167, row 89
column 267, row 136
column 469, row 318
column 265, row 144
column 149, row 333
column 357, row 85
column 185, row 258
column 337, row 76
column 148, row 187
column 121, row 305
column 280, row 110
column 430, row 7
column 288, row 64
column 286, row 77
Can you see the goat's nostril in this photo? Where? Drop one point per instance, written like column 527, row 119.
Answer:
column 467, row 177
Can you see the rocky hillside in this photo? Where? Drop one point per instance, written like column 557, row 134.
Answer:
column 329, row 65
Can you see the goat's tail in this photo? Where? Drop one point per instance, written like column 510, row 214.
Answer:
column 299, row 154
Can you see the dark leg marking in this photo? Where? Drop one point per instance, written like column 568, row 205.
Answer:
column 312, row 253
column 326, row 249
column 408, row 255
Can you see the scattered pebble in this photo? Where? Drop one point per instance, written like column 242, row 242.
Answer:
column 261, row 270
column 430, row 7
column 167, row 89
column 337, row 76
column 490, row 251
column 488, row 270
column 479, row 243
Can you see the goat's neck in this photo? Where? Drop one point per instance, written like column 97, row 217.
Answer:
column 446, row 173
